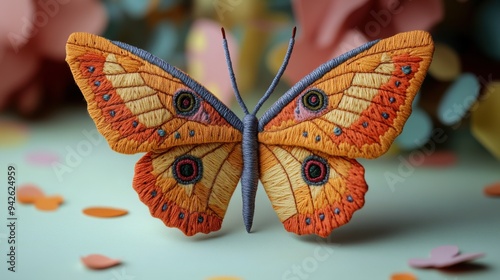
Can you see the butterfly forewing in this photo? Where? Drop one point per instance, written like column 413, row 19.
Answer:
column 139, row 106
column 359, row 107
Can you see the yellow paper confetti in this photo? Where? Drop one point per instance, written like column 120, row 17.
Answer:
column 12, row 134
column 445, row 64
column 485, row 119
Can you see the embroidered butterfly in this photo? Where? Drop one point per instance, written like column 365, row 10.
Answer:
column 302, row 148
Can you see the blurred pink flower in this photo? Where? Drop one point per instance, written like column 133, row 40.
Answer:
column 33, row 36
column 328, row 28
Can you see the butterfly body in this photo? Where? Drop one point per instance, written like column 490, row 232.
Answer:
column 250, row 174
column 302, row 149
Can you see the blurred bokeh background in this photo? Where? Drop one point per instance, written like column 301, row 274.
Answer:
column 427, row 191
column 460, row 94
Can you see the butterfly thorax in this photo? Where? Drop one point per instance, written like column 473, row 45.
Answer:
column 250, row 175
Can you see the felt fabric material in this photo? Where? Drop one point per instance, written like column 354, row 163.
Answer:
column 302, row 149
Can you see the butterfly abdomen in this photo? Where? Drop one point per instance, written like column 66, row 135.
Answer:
column 250, row 175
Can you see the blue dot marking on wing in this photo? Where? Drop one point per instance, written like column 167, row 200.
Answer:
column 153, row 193
column 385, row 115
column 106, row 97
column 397, row 83
column 200, row 219
column 321, row 216
column 365, row 124
column 91, row 69
column 164, row 207
column 112, row 113
column 308, row 221
column 161, row 132
column 337, row 131
column 318, row 138
column 135, row 123
column 97, row 83
column 181, row 215
column 406, row 69
column 191, row 133
column 304, row 133
column 337, row 211
column 349, row 198
column 392, row 99
column 177, row 135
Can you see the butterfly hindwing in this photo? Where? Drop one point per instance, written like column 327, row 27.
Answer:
column 189, row 187
column 140, row 103
column 312, row 192
column 355, row 107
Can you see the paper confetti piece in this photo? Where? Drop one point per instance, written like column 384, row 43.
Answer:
column 444, row 256
column 445, row 65
column 48, row 203
column 224, row 278
column 441, row 159
column 417, row 131
column 403, row 276
column 458, row 99
column 274, row 58
column 28, row 193
column 485, row 118
column 12, row 134
column 97, row 261
column 42, row 158
column 104, row 212
column 493, row 189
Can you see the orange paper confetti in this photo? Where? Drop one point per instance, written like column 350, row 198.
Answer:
column 493, row 189
column 97, row 261
column 440, row 159
column 104, row 212
column 28, row 193
column 403, row 276
column 48, row 203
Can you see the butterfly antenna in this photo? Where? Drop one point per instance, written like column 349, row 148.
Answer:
column 231, row 73
column 277, row 78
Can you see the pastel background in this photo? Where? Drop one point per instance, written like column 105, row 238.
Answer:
column 426, row 192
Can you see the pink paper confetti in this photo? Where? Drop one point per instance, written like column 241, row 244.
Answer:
column 97, row 261
column 42, row 158
column 444, row 256
column 206, row 60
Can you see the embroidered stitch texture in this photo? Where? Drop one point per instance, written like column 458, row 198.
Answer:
column 302, row 149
